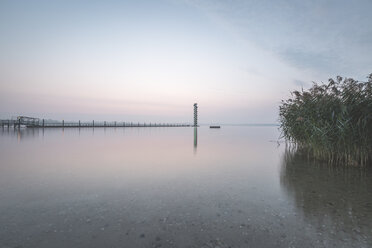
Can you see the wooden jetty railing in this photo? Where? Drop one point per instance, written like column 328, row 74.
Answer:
column 37, row 123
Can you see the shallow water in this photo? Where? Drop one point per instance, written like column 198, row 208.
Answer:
column 159, row 187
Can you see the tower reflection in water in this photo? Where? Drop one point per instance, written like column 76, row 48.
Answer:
column 195, row 138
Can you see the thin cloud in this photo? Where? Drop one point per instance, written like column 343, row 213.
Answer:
column 329, row 37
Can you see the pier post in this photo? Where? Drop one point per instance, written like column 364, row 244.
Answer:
column 19, row 123
column 115, row 123
column 104, row 123
column 79, row 123
column 63, row 123
column 93, row 123
column 43, row 123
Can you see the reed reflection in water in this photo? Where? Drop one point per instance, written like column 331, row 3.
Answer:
column 337, row 200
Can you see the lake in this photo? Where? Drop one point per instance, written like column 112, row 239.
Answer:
column 175, row 187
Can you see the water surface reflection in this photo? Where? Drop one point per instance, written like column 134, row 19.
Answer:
column 148, row 187
column 336, row 200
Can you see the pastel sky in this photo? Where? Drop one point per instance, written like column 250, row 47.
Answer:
column 151, row 60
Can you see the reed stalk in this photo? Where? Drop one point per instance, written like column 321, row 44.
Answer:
column 332, row 120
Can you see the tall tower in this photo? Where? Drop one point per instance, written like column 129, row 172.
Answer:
column 195, row 114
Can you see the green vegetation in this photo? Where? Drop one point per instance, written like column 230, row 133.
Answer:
column 332, row 121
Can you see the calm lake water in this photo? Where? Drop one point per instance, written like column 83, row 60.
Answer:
column 159, row 187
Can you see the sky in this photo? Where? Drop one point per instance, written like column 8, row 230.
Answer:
column 152, row 60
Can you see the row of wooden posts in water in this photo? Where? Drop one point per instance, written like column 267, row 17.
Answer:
column 33, row 122
column 44, row 124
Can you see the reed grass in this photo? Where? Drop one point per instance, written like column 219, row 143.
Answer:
column 332, row 120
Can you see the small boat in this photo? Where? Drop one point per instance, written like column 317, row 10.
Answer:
column 214, row 127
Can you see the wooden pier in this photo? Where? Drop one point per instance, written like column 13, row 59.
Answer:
column 31, row 122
